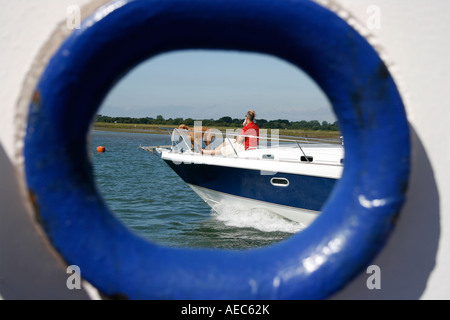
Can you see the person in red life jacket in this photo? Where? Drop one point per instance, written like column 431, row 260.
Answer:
column 247, row 140
column 251, row 130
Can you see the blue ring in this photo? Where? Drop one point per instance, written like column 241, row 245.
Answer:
column 315, row 263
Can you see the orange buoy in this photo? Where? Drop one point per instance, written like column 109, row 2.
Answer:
column 100, row 149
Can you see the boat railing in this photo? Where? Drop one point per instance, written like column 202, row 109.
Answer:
column 182, row 141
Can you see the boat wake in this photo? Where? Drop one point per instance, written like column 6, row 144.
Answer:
column 260, row 219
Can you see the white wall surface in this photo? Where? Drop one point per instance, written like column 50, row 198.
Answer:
column 24, row 28
column 413, row 35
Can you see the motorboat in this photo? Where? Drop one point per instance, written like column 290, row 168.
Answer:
column 291, row 177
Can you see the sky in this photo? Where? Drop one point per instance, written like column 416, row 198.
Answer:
column 203, row 84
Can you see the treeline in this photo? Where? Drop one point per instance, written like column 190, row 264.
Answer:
column 225, row 122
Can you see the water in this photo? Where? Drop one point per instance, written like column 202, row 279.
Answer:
column 148, row 197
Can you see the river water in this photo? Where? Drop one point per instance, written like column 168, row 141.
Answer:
column 148, row 197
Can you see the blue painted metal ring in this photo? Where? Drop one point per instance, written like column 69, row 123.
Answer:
column 356, row 220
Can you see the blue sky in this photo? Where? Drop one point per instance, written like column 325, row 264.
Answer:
column 203, row 84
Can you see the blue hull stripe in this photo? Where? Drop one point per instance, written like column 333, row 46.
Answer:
column 305, row 192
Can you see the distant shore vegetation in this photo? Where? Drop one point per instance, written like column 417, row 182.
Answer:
column 223, row 122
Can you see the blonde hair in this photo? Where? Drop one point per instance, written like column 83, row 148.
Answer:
column 251, row 115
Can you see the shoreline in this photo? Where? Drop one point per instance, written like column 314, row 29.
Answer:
column 156, row 129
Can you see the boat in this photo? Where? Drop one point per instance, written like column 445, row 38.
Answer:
column 291, row 177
